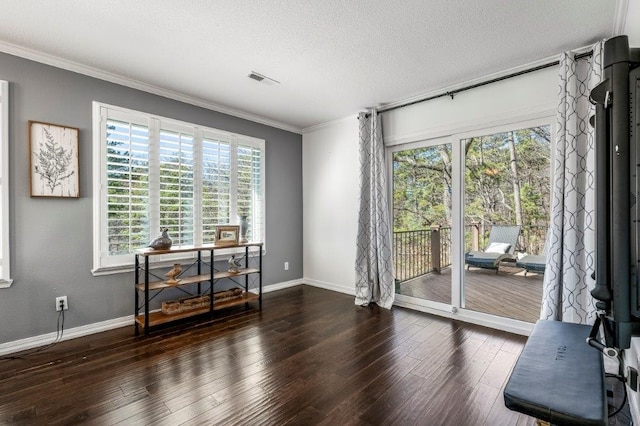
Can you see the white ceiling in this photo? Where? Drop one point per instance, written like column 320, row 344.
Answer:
column 332, row 58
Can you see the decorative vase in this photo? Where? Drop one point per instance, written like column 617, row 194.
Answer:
column 244, row 225
column 162, row 241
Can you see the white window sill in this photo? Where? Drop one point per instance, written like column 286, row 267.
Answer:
column 5, row 283
column 219, row 256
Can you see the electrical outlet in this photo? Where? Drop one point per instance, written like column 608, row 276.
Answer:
column 61, row 303
column 286, row 266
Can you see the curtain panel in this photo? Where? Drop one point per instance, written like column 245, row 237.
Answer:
column 374, row 267
column 571, row 258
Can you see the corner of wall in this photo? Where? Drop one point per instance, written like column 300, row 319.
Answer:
column 631, row 27
column 330, row 201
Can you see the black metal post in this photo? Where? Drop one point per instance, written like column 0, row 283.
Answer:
column 260, row 277
column 211, row 277
column 246, row 265
column 146, row 295
column 199, row 265
column 137, row 296
column 616, row 63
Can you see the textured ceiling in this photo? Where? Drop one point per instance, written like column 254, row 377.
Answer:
column 332, row 57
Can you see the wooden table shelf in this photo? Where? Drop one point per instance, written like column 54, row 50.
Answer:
column 145, row 319
column 157, row 318
column 157, row 285
column 224, row 274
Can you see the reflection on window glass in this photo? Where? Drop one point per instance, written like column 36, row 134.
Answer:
column 507, row 181
column 422, row 195
column 507, row 186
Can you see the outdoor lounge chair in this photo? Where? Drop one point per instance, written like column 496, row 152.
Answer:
column 502, row 245
column 534, row 262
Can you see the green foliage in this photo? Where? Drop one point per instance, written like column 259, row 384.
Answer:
column 422, row 181
column 422, row 188
column 128, row 188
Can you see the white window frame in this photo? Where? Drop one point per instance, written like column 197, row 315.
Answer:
column 5, row 249
column 455, row 136
column 507, row 126
column 103, row 263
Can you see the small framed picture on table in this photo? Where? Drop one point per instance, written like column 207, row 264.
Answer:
column 227, row 235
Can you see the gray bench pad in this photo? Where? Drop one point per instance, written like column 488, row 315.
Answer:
column 558, row 377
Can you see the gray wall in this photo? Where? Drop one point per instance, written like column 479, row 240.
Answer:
column 51, row 239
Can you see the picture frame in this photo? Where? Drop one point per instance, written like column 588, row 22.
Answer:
column 227, row 235
column 54, row 168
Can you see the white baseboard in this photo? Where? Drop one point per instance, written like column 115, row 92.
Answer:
column 85, row 330
column 280, row 286
column 350, row 290
column 72, row 333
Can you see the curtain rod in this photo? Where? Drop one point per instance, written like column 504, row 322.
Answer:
column 452, row 93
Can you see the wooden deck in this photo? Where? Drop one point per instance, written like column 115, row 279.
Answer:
column 509, row 293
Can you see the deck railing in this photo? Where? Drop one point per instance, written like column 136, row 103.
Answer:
column 424, row 251
column 411, row 253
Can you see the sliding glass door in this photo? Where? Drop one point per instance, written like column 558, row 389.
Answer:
column 506, row 216
column 422, row 220
column 470, row 217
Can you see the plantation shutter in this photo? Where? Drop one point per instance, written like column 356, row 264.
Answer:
column 249, row 189
column 127, row 185
column 176, row 179
column 216, row 186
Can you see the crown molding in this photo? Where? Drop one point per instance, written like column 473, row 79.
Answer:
column 68, row 65
column 620, row 18
column 331, row 123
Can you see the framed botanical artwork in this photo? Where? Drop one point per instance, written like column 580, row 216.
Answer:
column 227, row 235
column 53, row 160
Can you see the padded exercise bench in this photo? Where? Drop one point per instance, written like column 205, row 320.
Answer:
column 558, row 377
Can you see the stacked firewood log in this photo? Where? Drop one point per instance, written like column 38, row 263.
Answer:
column 196, row 302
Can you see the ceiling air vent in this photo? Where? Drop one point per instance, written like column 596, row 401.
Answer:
column 262, row 78
column 256, row 77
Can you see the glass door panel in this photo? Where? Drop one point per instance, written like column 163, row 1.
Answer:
column 422, row 212
column 507, row 187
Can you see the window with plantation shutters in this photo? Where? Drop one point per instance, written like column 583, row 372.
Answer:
column 152, row 173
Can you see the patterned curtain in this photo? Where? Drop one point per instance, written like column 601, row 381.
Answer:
column 374, row 269
column 567, row 278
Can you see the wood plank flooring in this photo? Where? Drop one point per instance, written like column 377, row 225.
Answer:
column 508, row 293
column 309, row 357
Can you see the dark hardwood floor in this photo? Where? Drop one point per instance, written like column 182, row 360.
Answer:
column 309, row 357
